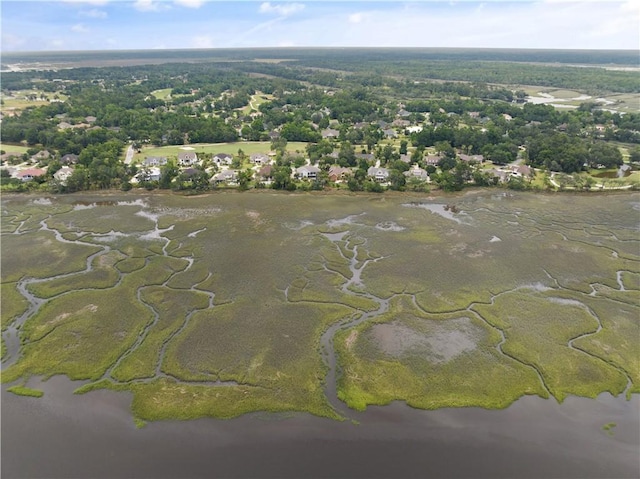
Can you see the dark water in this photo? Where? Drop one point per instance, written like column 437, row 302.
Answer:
column 62, row 435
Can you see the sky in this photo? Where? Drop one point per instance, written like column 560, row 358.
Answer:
column 34, row 25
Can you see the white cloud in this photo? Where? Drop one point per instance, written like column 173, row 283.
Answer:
column 93, row 13
column 356, row 17
column 80, row 28
column 150, row 6
column 284, row 9
column 90, row 2
column 498, row 24
column 202, row 41
column 190, row 3
column 57, row 44
column 11, row 41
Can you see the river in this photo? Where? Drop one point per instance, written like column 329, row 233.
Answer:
column 62, row 435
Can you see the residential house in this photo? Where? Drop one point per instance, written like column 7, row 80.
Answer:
column 417, row 172
column 152, row 173
column 389, row 133
column 155, row 161
column 187, row 158
column 189, row 172
column 229, row 177
column 503, row 176
column 307, row 172
column 265, row 173
column 330, row 133
column 63, row 174
column 379, row 174
column 469, row 158
column 405, row 159
column 401, row 123
column 521, row 170
column 432, row 160
column 222, row 159
column 360, row 125
column 338, row 173
column 69, row 159
column 30, row 174
column 365, row 156
column 260, row 159
column 414, row 129
column 41, row 155
column 404, row 113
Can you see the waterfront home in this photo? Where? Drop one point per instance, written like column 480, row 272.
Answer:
column 187, row 158
column 378, row 174
column 309, row 172
column 63, row 174
column 29, row 174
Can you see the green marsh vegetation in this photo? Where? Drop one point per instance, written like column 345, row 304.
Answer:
column 25, row 391
column 216, row 305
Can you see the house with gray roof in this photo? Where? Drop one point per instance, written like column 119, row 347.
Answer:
column 379, row 174
column 309, row 172
column 63, row 174
column 417, row 172
column 260, row 159
column 229, row 177
column 69, row 159
column 432, row 160
column 222, row 159
column 155, row 161
column 330, row 133
column 389, row 133
column 187, row 158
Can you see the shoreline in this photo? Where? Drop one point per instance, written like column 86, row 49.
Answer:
column 531, row 438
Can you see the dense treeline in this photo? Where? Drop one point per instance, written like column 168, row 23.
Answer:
column 593, row 57
column 104, row 109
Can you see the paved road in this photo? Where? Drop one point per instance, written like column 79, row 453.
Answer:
column 129, row 157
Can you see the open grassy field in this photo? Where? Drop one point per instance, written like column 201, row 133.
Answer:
column 163, row 94
column 209, row 149
column 216, row 305
column 21, row 99
column 10, row 148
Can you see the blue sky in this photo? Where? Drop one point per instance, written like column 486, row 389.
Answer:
column 34, row 25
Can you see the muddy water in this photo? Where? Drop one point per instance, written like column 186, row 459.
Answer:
column 62, row 436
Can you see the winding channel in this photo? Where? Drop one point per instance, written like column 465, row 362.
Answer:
column 327, row 339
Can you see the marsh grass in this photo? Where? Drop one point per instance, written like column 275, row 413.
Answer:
column 44, row 256
column 103, row 276
column 248, row 248
column 12, row 304
column 172, row 308
column 539, row 335
column 25, row 391
column 418, row 374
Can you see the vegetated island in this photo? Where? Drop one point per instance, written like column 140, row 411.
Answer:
column 222, row 304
